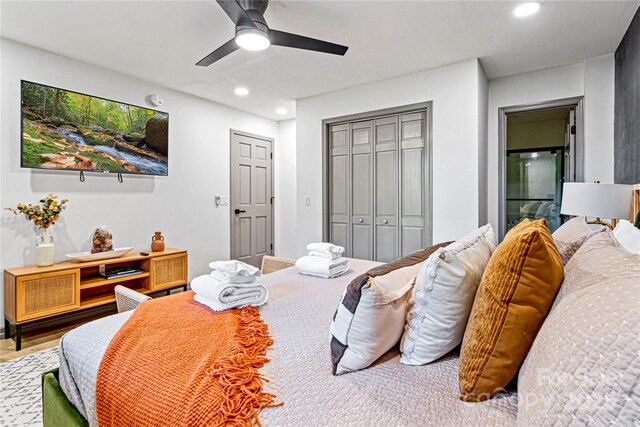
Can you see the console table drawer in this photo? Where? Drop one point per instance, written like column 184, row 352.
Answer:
column 41, row 295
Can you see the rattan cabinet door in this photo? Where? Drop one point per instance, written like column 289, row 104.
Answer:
column 41, row 295
column 168, row 271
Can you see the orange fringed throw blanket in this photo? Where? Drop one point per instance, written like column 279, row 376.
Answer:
column 177, row 363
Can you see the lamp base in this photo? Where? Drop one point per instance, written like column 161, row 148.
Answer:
column 600, row 222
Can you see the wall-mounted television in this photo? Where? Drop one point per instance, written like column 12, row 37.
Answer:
column 68, row 130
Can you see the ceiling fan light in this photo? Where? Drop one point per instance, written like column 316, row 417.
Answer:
column 252, row 39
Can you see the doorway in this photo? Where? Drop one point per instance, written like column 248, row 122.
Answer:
column 251, row 197
column 541, row 148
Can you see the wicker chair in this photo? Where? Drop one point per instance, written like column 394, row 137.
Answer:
column 128, row 299
column 271, row 264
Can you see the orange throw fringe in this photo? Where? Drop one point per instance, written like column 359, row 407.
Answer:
column 177, row 363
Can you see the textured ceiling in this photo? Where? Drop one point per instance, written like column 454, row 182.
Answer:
column 160, row 41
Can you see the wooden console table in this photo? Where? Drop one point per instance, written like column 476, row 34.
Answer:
column 33, row 294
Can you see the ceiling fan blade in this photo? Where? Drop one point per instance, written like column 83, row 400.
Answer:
column 237, row 14
column 280, row 38
column 219, row 53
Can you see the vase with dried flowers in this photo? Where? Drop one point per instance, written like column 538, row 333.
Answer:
column 43, row 216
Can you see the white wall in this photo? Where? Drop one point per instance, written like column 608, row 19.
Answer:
column 181, row 205
column 454, row 92
column 285, row 190
column 592, row 79
column 483, row 99
column 598, row 116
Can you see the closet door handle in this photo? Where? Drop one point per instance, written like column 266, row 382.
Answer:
column 386, row 221
column 238, row 211
column 361, row 220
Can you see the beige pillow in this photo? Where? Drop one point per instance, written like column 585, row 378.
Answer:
column 584, row 365
column 571, row 235
column 602, row 247
column 515, row 294
column 370, row 317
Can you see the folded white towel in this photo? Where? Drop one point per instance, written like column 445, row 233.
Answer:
column 329, row 250
column 333, row 275
column 226, row 277
column 322, row 267
column 324, row 255
column 234, row 271
column 221, row 296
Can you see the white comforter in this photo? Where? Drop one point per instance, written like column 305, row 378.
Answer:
column 299, row 314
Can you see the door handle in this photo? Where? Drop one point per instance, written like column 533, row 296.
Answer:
column 238, row 211
column 361, row 220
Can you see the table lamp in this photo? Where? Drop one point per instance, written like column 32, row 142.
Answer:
column 612, row 201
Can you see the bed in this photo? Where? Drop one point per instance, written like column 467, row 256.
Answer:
column 299, row 314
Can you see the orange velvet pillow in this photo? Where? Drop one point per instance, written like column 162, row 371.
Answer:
column 515, row 294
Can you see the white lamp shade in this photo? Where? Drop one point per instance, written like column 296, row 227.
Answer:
column 611, row 201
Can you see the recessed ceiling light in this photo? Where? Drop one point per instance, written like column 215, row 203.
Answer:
column 241, row 91
column 281, row 111
column 526, row 9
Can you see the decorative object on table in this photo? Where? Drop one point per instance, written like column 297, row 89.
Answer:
column 157, row 242
column 609, row 201
column 101, row 240
column 43, row 216
column 88, row 256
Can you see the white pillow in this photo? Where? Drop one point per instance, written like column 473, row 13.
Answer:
column 628, row 236
column 376, row 326
column 443, row 297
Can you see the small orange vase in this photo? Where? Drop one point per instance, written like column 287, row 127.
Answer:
column 157, row 242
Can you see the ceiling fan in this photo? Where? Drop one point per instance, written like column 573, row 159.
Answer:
column 253, row 33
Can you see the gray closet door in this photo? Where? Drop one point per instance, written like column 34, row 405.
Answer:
column 339, row 184
column 386, row 189
column 414, row 187
column 379, row 185
column 362, row 189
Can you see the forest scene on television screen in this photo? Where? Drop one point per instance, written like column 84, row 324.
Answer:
column 68, row 130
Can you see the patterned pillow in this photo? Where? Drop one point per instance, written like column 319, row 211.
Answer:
column 370, row 318
column 584, row 365
column 571, row 235
column 443, row 296
column 515, row 294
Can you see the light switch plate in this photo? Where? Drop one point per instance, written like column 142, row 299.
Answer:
column 307, row 200
column 221, row 200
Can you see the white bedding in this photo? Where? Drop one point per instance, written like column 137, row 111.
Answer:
column 299, row 314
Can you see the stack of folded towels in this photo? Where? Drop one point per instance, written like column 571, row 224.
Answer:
column 324, row 260
column 231, row 284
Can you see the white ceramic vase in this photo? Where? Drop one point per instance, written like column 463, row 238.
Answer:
column 45, row 249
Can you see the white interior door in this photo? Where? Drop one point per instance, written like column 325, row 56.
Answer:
column 251, row 198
